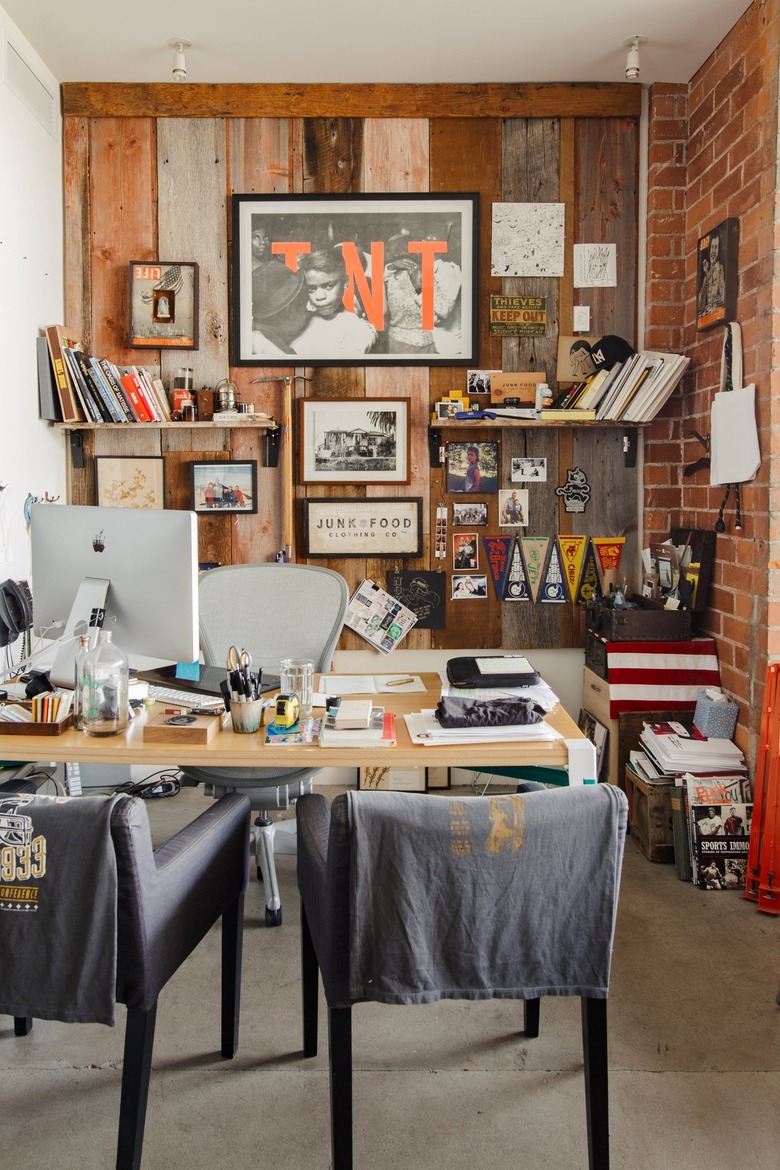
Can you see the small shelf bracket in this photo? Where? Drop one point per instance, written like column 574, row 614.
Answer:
column 630, row 441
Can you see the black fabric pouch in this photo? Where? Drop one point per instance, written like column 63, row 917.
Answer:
column 453, row 711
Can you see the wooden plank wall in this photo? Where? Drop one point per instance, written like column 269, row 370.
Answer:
column 145, row 180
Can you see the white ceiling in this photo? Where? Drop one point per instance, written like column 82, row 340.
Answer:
column 359, row 40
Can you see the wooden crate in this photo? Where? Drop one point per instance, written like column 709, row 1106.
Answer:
column 650, row 817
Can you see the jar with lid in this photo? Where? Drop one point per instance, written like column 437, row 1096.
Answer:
column 104, row 688
column 78, row 680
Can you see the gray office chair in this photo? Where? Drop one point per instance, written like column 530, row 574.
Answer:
column 274, row 611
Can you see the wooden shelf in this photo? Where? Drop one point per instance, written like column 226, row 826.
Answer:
column 537, row 424
column 260, row 424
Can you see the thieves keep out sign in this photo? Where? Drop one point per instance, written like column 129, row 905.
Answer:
column 518, row 316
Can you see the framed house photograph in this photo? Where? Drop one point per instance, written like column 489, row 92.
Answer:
column 220, row 486
column 354, row 440
column 472, row 467
column 717, row 275
column 379, row 527
column 355, row 279
column 163, row 304
column 130, row 481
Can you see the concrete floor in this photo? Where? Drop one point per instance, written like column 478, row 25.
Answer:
column 694, row 1057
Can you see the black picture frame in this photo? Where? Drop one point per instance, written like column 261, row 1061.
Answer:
column 717, row 275
column 163, row 304
column 377, row 527
column 227, row 475
column 429, row 240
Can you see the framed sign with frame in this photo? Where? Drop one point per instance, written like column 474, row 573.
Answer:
column 717, row 275
column 130, row 481
column 379, row 527
column 163, row 304
column 354, row 440
column 223, row 486
column 355, row 279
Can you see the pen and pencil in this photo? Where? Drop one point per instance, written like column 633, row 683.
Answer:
column 241, row 685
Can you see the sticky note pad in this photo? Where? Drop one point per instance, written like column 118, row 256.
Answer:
column 190, row 670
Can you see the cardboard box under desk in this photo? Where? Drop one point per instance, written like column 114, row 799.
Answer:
column 159, row 729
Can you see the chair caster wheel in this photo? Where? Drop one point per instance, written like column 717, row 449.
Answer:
column 273, row 917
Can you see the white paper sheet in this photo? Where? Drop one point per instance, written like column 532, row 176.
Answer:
column 425, row 730
column 734, row 453
column 368, row 684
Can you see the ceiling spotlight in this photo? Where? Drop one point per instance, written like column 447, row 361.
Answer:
column 179, row 44
column 632, row 57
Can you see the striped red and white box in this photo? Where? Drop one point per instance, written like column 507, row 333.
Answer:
column 643, row 675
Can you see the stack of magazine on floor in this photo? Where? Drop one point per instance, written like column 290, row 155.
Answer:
column 712, row 810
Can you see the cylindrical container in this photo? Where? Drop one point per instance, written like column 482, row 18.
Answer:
column 188, row 412
column 104, row 688
column 247, row 716
column 226, row 394
column 296, row 676
column 183, row 378
column 78, row 680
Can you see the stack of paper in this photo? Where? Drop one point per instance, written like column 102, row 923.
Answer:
column 424, row 728
column 676, row 754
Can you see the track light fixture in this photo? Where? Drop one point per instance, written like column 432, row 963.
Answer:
column 179, row 44
column 632, row 57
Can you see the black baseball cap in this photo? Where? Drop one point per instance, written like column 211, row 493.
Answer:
column 610, row 349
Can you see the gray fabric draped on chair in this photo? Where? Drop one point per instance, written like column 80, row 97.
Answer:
column 166, row 901
column 409, row 898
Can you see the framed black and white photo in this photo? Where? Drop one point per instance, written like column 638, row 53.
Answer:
column 598, row 735
column 354, row 440
column 379, row 527
column 223, row 486
column 526, row 468
column 163, row 304
column 355, row 279
column 130, row 481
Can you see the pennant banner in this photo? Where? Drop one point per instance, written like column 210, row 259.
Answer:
column 497, row 556
column 572, row 550
column 609, row 549
column 553, row 585
column 534, row 554
column 516, row 587
column 590, row 586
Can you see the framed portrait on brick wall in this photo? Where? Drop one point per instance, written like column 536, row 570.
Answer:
column 717, row 275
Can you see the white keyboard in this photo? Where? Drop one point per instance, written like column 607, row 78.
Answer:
column 182, row 698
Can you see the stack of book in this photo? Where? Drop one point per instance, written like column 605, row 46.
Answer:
column 629, row 391
column 358, row 723
column 675, row 751
column 95, row 390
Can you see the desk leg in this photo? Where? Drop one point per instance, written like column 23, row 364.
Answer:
column 582, row 761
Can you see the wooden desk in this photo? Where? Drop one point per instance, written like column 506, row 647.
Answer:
column 230, row 750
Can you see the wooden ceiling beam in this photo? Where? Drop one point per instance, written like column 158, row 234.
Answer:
column 172, row 100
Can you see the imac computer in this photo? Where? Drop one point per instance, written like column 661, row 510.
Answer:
column 133, row 571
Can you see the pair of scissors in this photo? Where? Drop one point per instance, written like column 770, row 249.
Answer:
column 239, row 664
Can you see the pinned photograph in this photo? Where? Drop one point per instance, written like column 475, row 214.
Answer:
column 478, row 381
column 513, row 508
column 468, row 585
column 472, row 467
column 464, row 551
column 529, row 469
column 473, row 512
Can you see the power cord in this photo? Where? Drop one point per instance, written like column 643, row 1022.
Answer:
column 159, row 784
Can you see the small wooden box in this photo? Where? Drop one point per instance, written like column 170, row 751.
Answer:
column 650, row 817
column 650, row 622
column 159, row 729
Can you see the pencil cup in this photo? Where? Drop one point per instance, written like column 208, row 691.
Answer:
column 246, row 716
column 296, row 676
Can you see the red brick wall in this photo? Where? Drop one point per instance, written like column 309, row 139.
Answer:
column 712, row 154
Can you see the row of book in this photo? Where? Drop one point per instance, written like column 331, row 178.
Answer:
column 630, row 391
column 93, row 389
column 48, row 707
column 711, row 801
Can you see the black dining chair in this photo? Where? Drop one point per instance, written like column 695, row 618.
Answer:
column 412, row 898
column 166, row 900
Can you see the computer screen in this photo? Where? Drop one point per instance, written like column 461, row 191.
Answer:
column 149, row 558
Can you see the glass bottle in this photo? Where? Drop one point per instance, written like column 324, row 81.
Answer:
column 78, row 680
column 105, row 688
